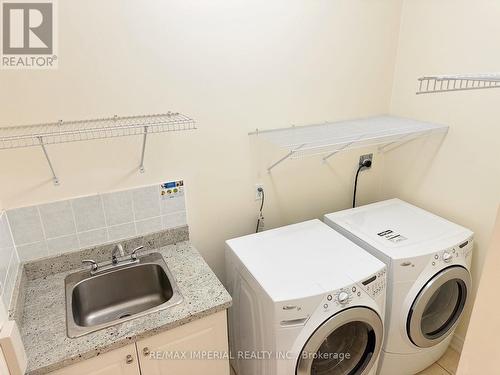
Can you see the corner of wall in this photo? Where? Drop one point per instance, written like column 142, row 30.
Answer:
column 396, row 55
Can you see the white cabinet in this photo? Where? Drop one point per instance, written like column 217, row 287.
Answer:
column 199, row 347
column 122, row 361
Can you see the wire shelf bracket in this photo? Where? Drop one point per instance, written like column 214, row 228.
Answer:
column 284, row 158
column 41, row 135
column 55, row 179
column 331, row 138
column 141, row 166
column 457, row 82
column 336, row 152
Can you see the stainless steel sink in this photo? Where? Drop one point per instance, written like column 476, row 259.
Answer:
column 117, row 294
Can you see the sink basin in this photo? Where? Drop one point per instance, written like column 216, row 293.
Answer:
column 115, row 295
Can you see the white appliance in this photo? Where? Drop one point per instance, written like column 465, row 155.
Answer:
column 428, row 260
column 305, row 301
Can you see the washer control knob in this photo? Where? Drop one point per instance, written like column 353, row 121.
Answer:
column 447, row 256
column 343, row 297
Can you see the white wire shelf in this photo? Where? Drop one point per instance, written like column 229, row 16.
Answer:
column 457, row 82
column 73, row 131
column 331, row 138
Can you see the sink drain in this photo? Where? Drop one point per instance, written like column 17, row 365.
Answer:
column 124, row 316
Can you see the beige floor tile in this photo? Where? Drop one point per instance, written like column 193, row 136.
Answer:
column 435, row 369
column 449, row 361
column 446, row 365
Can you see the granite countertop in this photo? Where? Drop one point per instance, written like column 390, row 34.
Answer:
column 43, row 321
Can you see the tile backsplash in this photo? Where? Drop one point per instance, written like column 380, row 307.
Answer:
column 63, row 226
column 9, row 261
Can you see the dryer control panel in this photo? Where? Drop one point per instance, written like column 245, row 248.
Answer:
column 375, row 285
column 342, row 297
column 450, row 255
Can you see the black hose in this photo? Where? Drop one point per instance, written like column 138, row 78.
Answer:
column 356, row 186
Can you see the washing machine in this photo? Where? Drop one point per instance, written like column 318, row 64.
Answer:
column 306, row 301
column 429, row 284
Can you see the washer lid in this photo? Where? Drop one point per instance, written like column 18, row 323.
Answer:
column 398, row 228
column 303, row 260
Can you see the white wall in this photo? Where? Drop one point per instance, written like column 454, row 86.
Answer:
column 232, row 65
column 478, row 358
column 461, row 179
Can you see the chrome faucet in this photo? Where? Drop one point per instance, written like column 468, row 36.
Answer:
column 117, row 257
column 133, row 256
column 117, row 250
column 93, row 263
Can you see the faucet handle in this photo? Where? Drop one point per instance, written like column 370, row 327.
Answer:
column 92, row 262
column 133, row 255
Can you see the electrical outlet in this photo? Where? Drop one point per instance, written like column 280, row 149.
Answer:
column 261, row 225
column 258, row 194
column 362, row 158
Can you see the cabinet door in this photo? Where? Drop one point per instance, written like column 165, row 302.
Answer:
column 188, row 349
column 122, row 361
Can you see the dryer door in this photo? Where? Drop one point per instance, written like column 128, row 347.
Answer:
column 348, row 343
column 438, row 307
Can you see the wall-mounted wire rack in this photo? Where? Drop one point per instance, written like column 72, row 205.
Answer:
column 72, row 131
column 457, row 82
column 331, row 138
